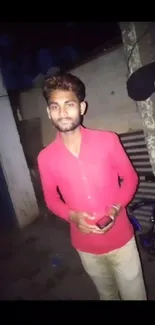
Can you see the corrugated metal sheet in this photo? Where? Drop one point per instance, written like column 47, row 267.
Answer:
column 135, row 146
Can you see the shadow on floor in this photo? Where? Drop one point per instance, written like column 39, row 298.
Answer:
column 39, row 263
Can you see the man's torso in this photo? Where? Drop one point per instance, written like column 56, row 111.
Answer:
column 89, row 183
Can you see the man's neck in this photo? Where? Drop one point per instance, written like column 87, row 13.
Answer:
column 72, row 140
column 69, row 138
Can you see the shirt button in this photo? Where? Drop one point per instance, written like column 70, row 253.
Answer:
column 89, row 197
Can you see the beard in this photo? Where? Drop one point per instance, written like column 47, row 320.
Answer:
column 67, row 124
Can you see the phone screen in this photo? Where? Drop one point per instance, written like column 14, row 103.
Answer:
column 104, row 222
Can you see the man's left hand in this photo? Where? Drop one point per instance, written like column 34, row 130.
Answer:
column 113, row 213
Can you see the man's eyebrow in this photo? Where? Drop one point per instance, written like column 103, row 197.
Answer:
column 66, row 102
column 52, row 103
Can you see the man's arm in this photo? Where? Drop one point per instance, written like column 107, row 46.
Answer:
column 125, row 171
column 49, row 186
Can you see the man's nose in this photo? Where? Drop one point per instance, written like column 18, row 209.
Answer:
column 62, row 111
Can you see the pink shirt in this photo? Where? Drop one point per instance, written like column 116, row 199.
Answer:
column 89, row 183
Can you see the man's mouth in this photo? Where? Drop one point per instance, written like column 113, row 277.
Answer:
column 65, row 120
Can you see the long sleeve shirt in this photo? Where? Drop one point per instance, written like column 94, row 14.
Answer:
column 90, row 184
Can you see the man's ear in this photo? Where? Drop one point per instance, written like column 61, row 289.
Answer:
column 82, row 107
column 48, row 112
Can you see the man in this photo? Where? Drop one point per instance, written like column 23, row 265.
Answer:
column 85, row 164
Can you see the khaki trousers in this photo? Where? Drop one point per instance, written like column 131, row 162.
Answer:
column 118, row 274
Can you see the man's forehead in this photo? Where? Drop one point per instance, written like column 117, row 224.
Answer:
column 61, row 95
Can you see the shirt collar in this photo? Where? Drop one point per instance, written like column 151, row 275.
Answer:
column 82, row 130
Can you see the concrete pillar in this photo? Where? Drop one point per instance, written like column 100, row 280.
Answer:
column 14, row 165
column 146, row 34
column 136, row 57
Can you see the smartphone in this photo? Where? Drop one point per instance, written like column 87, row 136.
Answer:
column 104, row 222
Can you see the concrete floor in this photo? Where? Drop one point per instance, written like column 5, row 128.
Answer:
column 39, row 263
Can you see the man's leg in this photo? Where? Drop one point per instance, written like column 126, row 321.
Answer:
column 98, row 268
column 128, row 272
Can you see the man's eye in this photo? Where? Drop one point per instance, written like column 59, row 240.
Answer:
column 70, row 104
column 53, row 107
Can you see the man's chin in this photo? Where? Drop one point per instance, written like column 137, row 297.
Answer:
column 66, row 128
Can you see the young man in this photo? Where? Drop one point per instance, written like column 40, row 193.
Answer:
column 85, row 164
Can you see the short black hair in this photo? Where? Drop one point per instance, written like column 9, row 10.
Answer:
column 64, row 81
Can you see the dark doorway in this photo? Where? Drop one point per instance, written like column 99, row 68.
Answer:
column 7, row 213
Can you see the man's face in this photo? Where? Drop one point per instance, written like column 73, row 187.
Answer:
column 65, row 110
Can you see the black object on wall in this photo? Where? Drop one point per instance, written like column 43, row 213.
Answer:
column 141, row 84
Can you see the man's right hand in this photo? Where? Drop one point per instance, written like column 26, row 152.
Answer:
column 79, row 219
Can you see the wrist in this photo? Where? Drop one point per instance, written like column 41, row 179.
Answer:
column 72, row 216
column 117, row 207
